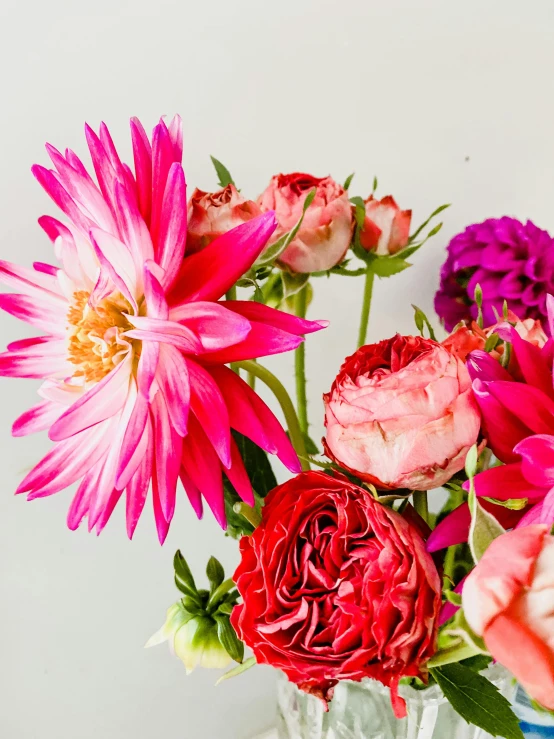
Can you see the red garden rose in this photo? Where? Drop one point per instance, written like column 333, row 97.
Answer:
column 211, row 214
column 401, row 414
column 336, row 586
column 326, row 231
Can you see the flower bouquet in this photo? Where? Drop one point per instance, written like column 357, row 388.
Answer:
column 389, row 610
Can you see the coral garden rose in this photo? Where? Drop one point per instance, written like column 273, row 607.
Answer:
column 401, row 414
column 508, row 600
column 468, row 338
column 336, row 586
column 326, row 231
column 211, row 214
column 386, row 228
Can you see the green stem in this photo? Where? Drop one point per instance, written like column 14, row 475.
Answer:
column 252, row 378
column 287, row 406
column 420, row 503
column 273, row 278
column 301, row 304
column 250, row 514
column 366, row 305
column 457, row 498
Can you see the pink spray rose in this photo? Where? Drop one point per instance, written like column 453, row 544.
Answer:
column 211, row 214
column 386, row 228
column 508, row 600
column 401, row 414
column 326, row 231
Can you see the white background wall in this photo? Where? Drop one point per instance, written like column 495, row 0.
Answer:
column 446, row 102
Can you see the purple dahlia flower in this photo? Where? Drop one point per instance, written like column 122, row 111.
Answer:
column 512, row 261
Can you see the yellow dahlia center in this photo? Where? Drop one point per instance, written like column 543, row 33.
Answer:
column 95, row 342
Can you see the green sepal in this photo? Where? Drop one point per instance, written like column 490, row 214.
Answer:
column 183, row 576
column 275, row 250
column 215, row 573
column 228, row 637
column 222, row 172
column 348, row 180
column 421, row 321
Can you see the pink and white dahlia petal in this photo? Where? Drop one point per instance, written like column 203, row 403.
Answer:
column 135, row 338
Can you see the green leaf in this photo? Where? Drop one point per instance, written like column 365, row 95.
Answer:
column 348, row 180
column 215, row 573
column 246, row 665
column 228, row 637
column 223, row 173
column 478, row 663
column 275, row 250
column 257, row 465
column 183, row 576
column 388, row 266
column 421, row 321
column 477, row 700
column 262, row 478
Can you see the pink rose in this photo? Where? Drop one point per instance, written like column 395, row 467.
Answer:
column 211, row 214
column 401, row 414
column 508, row 600
column 326, row 230
column 386, row 228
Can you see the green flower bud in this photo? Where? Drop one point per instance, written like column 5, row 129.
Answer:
column 193, row 637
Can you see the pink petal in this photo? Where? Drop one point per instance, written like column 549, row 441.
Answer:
column 169, row 332
column 537, row 463
column 502, row 428
column 207, row 404
column 532, row 364
column 103, row 167
column 37, row 418
column 116, row 259
column 506, row 482
column 163, row 157
column 83, row 191
column 67, row 462
column 215, row 326
column 203, row 467
column 173, row 224
column 156, row 304
column 45, row 315
column 174, row 381
column 102, row 401
column 32, row 283
column 167, row 456
column 133, row 229
column 193, row 493
column 61, row 197
column 135, row 442
column 137, row 489
column 272, row 317
column 250, row 416
column 44, row 359
column 262, row 341
column 147, row 366
column 481, row 366
column 207, row 274
column 453, row 529
column 81, row 502
column 530, row 405
column 175, row 129
column 142, row 154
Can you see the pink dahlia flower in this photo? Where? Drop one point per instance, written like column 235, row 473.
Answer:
column 134, row 341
